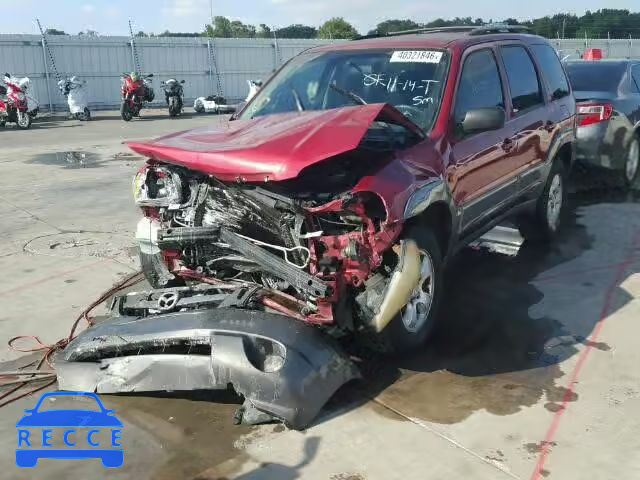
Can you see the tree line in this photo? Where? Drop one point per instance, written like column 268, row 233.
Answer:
column 615, row 23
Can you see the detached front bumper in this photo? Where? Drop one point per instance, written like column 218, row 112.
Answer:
column 281, row 366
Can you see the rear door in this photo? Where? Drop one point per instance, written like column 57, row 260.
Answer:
column 482, row 179
column 635, row 88
column 530, row 117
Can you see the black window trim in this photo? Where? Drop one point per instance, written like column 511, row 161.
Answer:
column 633, row 78
column 541, row 80
column 547, row 85
column 505, row 98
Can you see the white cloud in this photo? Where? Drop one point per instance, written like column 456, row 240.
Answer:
column 88, row 8
column 186, row 8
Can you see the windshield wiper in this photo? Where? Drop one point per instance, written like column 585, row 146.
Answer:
column 296, row 97
column 357, row 99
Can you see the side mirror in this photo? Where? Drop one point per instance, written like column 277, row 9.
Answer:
column 181, row 81
column 483, row 120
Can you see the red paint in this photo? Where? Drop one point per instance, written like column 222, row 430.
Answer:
column 16, row 101
column 274, row 147
column 575, row 374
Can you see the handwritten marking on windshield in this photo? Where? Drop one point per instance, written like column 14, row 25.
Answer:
column 393, row 83
column 421, row 100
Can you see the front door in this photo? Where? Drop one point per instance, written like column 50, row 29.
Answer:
column 480, row 174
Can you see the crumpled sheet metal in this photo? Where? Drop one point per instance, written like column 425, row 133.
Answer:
column 127, row 354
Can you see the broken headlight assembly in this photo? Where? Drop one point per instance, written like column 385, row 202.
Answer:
column 157, row 187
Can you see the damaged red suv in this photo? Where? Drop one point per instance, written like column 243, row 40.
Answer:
column 337, row 195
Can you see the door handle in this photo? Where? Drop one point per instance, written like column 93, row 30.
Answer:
column 508, row 144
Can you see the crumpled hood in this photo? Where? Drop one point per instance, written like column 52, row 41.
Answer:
column 272, row 147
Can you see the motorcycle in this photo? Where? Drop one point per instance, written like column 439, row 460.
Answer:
column 33, row 107
column 173, row 95
column 14, row 108
column 135, row 91
column 254, row 87
column 73, row 89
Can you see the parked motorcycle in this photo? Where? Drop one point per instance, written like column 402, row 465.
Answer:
column 135, row 91
column 73, row 89
column 33, row 106
column 173, row 94
column 254, row 87
column 14, row 107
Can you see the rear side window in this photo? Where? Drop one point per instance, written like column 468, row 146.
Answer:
column 552, row 70
column 595, row 76
column 480, row 85
column 523, row 79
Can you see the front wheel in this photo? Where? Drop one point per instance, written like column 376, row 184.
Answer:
column 413, row 326
column 173, row 107
column 24, row 120
column 544, row 223
column 125, row 111
column 199, row 106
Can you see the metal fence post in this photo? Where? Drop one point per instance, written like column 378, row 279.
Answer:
column 46, row 74
column 209, row 57
column 133, row 56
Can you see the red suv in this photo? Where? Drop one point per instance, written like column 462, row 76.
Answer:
column 337, row 195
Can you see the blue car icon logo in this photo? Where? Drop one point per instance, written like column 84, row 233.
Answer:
column 34, row 444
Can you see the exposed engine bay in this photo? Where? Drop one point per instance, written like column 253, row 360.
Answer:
column 308, row 248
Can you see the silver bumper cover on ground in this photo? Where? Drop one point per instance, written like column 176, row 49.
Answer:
column 281, row 366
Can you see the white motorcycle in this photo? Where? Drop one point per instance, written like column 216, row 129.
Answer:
column 74, row 90
column 33, row 107
column 254, row 87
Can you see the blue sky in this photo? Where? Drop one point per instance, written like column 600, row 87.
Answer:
column 109, row 17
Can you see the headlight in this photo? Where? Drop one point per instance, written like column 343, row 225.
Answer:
column 157, row 187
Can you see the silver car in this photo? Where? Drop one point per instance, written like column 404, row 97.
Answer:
column 608, row 100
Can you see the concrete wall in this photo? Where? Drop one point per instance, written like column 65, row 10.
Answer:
column 101, row 60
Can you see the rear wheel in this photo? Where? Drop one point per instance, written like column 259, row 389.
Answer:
column 125, row 111
column 632, row 163
column 412, row 327
column 545, row 221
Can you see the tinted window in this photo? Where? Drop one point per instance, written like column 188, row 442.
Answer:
column 635, row 73
column 595, row 76
column 480, row 85
column 552, row 70
column 523, row 79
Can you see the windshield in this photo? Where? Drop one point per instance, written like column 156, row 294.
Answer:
column 411, row 81
column 591, row 76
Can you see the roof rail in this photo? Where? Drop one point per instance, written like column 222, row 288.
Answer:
column 470, row 29
column 499, row 28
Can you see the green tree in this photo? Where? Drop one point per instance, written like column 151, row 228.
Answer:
column 221, row 28
column 240, row 30
column 264, row 31
column 54, row 31
column 338, row 28
column 390, row 26
column 297, row 31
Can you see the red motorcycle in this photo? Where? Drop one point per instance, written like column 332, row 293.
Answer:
column 13, row 104
column 135, row 92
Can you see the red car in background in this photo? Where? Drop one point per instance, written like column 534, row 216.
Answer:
column 340, row 191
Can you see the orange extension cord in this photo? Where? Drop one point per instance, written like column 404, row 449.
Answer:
column 49, row 376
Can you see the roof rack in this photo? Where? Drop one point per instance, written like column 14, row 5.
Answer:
column 470, row 29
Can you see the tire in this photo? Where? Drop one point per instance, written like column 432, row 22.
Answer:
column 86, row 115
column 3, row 123
column 23, row 120
column 545, row 222
column 631, row 169
column 173, row 107
column 199, row 106
column 398, row 337
column 125, row 111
